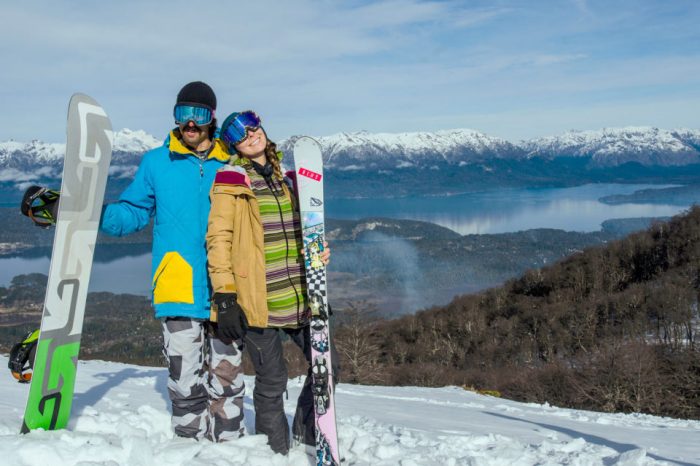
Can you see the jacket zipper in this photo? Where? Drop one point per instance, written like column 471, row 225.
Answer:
column 201, row 182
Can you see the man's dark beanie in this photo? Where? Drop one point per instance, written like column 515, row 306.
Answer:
column 197, row 92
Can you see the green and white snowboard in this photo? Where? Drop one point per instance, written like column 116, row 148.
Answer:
column 85, row 170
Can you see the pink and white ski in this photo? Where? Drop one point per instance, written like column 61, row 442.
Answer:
column 309, row 177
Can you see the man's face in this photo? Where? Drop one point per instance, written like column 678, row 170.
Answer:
column 194, row 135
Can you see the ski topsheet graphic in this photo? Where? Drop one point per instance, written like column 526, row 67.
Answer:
column 85, row 170
column 309, row 175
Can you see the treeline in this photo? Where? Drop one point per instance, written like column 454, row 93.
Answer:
column 613, row 328
column 117, row 327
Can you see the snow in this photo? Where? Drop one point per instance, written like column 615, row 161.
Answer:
column 444, row 144
column 125, row 140
column 138, row 141
column 42, row 151
column 121, row 417
column 634, row 142
column 352, row 151
column 439, row 141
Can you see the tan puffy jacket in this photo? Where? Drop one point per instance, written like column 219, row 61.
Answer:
column 236, row 246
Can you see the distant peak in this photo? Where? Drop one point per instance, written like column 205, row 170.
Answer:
column 127, row 140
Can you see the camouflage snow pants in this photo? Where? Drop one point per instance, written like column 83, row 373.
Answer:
column 205, row 381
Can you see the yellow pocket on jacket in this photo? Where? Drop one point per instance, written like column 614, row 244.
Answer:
column 172, row 282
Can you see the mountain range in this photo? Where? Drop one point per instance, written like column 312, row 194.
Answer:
column 479, row 160
column 603, row 148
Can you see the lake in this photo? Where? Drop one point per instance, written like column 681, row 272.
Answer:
column 509, row 210
column 505, row 210
column 131, row 274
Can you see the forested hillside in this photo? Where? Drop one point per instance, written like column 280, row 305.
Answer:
column 613, row 328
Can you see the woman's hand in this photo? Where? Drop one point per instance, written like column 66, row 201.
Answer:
column 325, row 256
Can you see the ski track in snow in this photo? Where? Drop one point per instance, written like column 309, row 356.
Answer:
column 121, row 417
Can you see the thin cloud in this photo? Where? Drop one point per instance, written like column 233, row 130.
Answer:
column 582, row 6
column 471, row 18
column 549, row 59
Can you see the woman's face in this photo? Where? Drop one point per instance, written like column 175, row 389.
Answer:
column 253, row 145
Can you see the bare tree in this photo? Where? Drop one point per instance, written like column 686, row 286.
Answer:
column 358, row 349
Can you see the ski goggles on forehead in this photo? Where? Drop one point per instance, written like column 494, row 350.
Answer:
column 184, row 113
column 236, row 127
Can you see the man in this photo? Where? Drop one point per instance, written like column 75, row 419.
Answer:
column 172, row 185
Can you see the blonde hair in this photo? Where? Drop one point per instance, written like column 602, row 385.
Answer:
column 273, row 159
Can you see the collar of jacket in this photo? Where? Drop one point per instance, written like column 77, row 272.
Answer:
column 174, row 143
column 231, row 188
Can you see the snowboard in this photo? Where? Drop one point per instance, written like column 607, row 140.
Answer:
column 309, row 177
column 85, row 170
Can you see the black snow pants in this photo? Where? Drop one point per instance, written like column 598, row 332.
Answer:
column 265, row 349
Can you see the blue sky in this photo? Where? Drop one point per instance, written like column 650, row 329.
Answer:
column 513, row 69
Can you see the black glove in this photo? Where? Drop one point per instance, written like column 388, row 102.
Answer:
column 232, row 323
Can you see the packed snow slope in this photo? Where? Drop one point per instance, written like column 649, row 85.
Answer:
column 121, row 417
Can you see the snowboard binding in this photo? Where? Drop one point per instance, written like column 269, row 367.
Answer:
column 22, row 355
column 41, row 205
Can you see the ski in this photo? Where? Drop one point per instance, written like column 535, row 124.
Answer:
column 309, row 175
column 85, row 169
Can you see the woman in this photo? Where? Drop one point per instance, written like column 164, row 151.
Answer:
column 256, row 267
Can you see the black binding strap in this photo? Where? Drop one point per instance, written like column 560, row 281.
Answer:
column 40, row 204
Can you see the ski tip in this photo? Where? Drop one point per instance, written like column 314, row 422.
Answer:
column 78, row 100
column 306, row 141
column 79, row 97
column 85, row 116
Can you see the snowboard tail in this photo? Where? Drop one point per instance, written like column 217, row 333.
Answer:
column 309, row 174
column 85, row 171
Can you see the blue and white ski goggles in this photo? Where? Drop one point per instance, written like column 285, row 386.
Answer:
column 236, row 126
column 185, row 113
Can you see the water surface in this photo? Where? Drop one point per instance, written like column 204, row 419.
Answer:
column 505, row 210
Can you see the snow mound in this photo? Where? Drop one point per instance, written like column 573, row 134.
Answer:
column 121, row 417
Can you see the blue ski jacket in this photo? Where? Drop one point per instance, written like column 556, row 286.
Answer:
column 172, row 185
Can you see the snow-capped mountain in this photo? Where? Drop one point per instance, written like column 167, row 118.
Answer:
column 23, row 162
column 349, row 151
column 346, row 151
column 477, row 161
column 135, row 142
column 12, row 153
column 616, row 146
